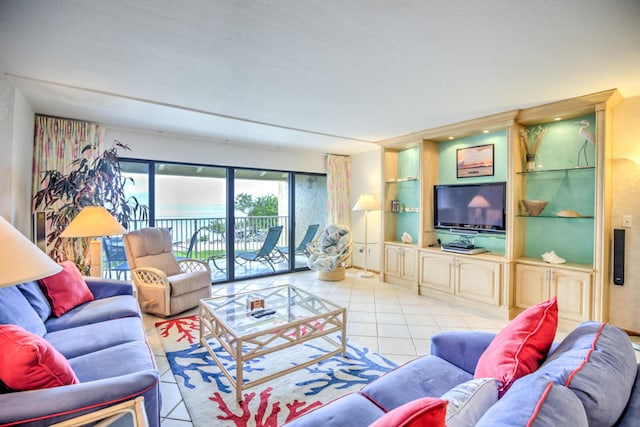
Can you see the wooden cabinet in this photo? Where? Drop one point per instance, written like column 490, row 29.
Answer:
column 478, row 280
column 571, row 285
column 400, row 264
column 471, row 277
column 436, row 272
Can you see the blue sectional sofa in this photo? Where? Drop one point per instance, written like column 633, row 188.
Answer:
column 591, row 378
column 104, row 343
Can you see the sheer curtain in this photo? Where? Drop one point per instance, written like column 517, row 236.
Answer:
column 59, row 141
column 338, row 201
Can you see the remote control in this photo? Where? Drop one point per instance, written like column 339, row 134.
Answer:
column 263, row 312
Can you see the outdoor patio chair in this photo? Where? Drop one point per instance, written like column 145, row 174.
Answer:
column 164, row 284
column 116, row 256
column 267, row 254
column 301, row 249
column 188, row 250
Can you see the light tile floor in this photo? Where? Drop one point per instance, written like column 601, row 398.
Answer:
column 391, row 320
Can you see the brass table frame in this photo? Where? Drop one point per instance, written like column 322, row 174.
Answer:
column 320, row 319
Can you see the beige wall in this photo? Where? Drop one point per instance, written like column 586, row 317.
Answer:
column 624, row 301
column 150, row 146
column 366, row 172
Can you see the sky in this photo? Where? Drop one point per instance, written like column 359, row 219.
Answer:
column 184, row 196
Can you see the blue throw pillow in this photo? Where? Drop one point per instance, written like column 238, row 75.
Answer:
column 597, row 362
column 38, row 300
column 16, row 310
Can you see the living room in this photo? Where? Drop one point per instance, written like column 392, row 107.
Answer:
column 444, row 95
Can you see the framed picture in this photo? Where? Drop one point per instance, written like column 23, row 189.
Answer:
column 475, row 161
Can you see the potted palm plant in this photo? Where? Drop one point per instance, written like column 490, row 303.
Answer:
column 97, row 182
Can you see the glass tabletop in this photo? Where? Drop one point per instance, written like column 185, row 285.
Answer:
column 289, row 304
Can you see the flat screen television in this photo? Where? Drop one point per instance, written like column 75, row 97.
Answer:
column 470, row 207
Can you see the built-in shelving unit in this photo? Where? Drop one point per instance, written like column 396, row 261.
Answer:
column 403, row 207
column 403, row 192
column 570, row 172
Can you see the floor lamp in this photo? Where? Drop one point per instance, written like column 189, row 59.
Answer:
column 366, row 203
column 94, row 221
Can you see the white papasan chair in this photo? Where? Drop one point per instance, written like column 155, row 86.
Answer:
column 330, row 252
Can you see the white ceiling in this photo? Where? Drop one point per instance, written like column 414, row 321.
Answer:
column 329, row 76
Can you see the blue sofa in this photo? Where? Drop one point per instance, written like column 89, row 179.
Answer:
column 104, row 342
column 591, row 378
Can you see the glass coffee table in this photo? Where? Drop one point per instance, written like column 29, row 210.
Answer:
column 298, row 317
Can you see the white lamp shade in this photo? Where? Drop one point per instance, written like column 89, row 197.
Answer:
column 366, row 202
column 20, row 260
column 93, row 221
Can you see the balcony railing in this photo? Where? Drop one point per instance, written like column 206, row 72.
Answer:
column 248, row 234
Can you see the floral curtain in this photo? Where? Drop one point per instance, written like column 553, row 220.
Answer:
column 59, row 141
column 338, row 200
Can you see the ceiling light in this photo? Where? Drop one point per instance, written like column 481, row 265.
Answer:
column 485, row 131
column 451, row 137
column 557, row 119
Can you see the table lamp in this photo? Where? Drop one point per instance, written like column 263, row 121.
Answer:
column 94, row 221
column 366, row 203
column 20, row 260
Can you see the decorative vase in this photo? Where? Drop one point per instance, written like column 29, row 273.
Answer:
column 531, row 162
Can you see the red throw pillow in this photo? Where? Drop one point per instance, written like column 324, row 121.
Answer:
column 521, row 346
column 66, row 289
column 424, row 412
column 29, row 362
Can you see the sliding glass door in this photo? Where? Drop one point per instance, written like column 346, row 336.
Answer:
column 237, row 220
column 191, row 202
column 261, row 222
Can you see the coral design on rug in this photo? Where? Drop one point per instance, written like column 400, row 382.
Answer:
column 210, row 398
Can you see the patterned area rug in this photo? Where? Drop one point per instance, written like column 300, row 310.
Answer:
column 210, row 398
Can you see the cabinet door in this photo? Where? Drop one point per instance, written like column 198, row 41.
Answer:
column 409, row 264
column 532, row 285
column 478, row 280
column 392, row 265
column 436, row 272
column 573, row 289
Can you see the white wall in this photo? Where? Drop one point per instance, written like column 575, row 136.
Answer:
column 366, row 177
column 16, row 146
column 7, row 95
column 163, row 147
column 22, row 156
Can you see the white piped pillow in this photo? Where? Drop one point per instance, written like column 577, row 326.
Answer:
column 469, row 401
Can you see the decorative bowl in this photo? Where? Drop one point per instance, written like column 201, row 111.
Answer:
column 534, row 207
